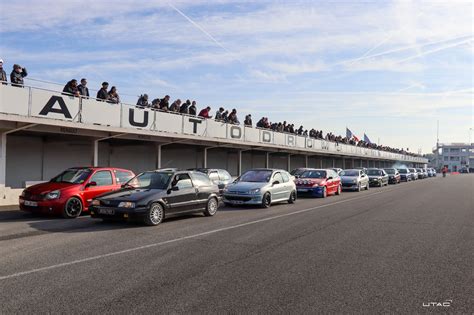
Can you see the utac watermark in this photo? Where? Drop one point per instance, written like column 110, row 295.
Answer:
column 445, row 303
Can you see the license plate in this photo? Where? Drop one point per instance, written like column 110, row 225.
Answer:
column 237, row 202
column 31, row 203
column 303, row 190
column 107, row 211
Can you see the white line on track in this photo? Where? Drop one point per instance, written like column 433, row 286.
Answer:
column 133, row 249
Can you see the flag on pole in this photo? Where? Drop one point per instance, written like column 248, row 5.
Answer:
column 348, row 133
column 356, row 138
column 366, row 139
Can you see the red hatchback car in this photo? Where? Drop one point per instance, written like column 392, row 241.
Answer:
column 70, row 192
column 318, row 183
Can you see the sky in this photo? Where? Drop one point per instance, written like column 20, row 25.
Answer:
column 390, row 69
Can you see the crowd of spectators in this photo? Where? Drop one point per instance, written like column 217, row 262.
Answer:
column 190, row 108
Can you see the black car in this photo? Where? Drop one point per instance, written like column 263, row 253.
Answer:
column 393, row 175
column 220, row 177
column 377, row 177
column 152, row 196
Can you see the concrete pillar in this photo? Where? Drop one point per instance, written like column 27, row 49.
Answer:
column 158, row 156
column 267, row 160
column 3, row 159
column 306, row 161
column 321, row 162
column 239, row 167
column 96, row 153
column 205, row 158
column 288, row 167
column 333, row 162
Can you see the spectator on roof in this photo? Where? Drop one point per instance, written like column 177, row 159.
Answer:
column 175, row 107
column 71, row 88
column 165, row 103
column 184, row 109
column 193, row 109
column 83, row 89
column 17, row 75
column 102, row 94
column 3, row 74
column 205, row 113
column 113, row 96
column 219, row 113
column 232, row 119
column 143, row 101
column 248, row 120
column 155, row 103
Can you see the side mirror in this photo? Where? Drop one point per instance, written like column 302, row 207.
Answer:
column 275, row 183
column 91, row 184
column 173, row 188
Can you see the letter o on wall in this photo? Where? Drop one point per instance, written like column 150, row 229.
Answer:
column 235, row 132
column 266, row 136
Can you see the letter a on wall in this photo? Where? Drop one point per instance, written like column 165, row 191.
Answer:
column 48, row 108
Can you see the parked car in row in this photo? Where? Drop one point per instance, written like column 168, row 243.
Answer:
column 220, row 177
column 354, row 179
column 337, row 170
column 298, row 171
column 377, row 177
column 318, row 183
column 363, row 169
column 405, row 175
column 394, row 176
column 414, row 173
column 155, row 195
column 261, row 187
column 69, row 194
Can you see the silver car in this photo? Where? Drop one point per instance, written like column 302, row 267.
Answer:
column 261, row 187
column 354, row 179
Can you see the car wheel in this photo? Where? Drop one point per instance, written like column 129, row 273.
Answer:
column 339, row 190
column 292, row 198
column 154, row 215
column 325, row 192
column 72, row 208
column 359, row 187
column 211, row 208
column 266, row 200
column 367, row 186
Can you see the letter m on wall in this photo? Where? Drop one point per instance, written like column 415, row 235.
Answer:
column 50, row 107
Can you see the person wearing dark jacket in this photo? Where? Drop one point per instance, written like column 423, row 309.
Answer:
column 192, row 109
column 83, row 89
column 219, row 113
column 102, row 94
column 165, row 103
column 17, row 75
column 143, row 101
column 184, row 109
column 71, row 88
column 233, row 117
column 3, row 74
column 113, row 96
column 176, row 106
column 248, row 120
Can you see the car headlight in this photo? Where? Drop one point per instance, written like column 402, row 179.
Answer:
column 55, row 194
column 354, row 181
column 23, row 193
column 126, row 204
column 254, row 191
column 95, row 202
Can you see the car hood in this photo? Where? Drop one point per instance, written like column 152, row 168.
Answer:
column 315, row 180
column 131, row 194
column 43, row 188
column 245, row 186
column 349, row 178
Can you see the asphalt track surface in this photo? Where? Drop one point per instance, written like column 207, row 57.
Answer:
column 389, row 250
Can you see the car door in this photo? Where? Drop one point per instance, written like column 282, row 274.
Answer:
column 204, row 188
column 100, row 182
column 364, row 179
column 332, row 183
column 278, row 189
column 181, row 194
column 288, row 185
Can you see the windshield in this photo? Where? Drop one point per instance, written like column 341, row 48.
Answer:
column 390, row 171
column 297, row 171
column 350, row 173
column 374, row 172
column 73, row 176
column 403, row 170
column 150, row 180
column 314, row 174
column 256, row 176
